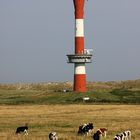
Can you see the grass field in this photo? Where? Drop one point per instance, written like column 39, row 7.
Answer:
column 46, row 107
column 65, row 119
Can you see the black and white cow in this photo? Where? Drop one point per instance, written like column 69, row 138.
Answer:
column 119, row 136
column 53, row 136
column 126, row 135
column 86, row 129
column 22, row 130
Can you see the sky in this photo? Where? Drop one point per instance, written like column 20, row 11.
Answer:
column 36, row 36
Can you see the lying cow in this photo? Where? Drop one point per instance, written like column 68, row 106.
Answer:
column 86, row 129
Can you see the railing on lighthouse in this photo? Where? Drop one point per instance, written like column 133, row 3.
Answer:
column 86, row 57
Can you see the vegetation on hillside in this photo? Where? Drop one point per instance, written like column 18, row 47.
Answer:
column 61, row 93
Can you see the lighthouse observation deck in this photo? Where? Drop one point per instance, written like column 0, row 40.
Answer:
column 81, row 58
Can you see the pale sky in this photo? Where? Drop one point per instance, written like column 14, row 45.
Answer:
column 36, row 35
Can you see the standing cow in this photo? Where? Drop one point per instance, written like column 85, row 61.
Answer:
column 126, row 135
column 86, row 129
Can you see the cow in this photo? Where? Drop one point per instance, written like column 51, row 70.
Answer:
column 97, row 135
column 53, row 136
column 119, row 136
column 103, row 131
column 126, row 135
column 86, row 129
column 22, row 130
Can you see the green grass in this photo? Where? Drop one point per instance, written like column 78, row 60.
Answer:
column 125, row 92
column 15, row 97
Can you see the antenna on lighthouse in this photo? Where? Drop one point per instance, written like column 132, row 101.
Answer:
column 82, row 55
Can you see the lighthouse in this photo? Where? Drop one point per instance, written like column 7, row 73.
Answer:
column 81, row 55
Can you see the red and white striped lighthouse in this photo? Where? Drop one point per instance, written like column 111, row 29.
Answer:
column 81, row 55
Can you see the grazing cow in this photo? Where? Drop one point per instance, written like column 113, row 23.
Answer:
column 86, row 129
column 119, row 137
column 22, row 130
column 126, row 135
column 53, row 136
column 103, row 131
column 100, row 132
column 97, row 135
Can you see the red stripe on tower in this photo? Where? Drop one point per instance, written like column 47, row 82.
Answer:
column 80, row 57
column 79, row 73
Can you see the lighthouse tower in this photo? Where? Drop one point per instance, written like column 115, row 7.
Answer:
column 82, row 55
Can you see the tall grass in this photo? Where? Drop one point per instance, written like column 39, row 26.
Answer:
column 65, row 119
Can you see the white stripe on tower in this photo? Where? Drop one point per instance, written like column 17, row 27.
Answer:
column 79, row 28
column 79, row 68
column 80, row 77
